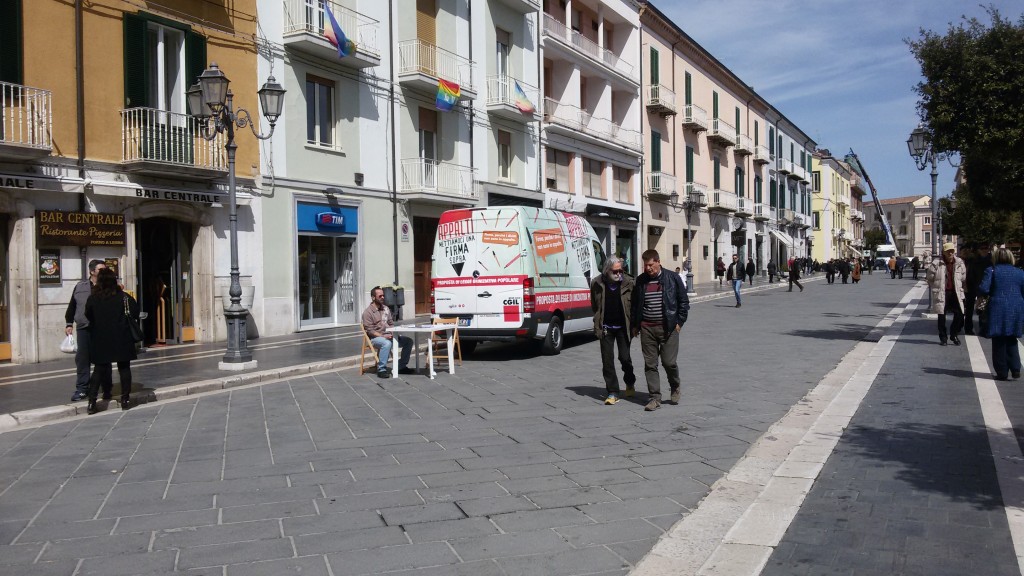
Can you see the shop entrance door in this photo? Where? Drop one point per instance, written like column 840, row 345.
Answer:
column 164, row 288
column 327, row 281
column 424, row 230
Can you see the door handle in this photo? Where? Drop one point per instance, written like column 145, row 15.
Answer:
column 484, row 295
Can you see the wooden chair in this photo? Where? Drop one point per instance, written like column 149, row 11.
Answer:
column 440, row 343
column 367, row 345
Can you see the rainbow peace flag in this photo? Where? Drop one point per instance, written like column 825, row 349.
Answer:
column 336, row 37
column 522, row 102
column 447, row 94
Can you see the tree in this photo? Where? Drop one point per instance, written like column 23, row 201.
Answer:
column 972, row 103
column 872, row 238
column 963, row 217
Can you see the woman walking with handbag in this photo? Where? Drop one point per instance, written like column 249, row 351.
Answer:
column 1004, row 284
column 111, row 313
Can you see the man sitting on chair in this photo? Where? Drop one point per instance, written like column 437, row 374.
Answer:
column 376, row 321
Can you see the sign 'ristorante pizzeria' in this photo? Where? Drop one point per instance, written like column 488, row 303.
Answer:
column 59, row 228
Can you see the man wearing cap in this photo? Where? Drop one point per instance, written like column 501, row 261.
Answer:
column 946, row 277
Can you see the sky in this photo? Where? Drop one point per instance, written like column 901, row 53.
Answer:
column 841, row 71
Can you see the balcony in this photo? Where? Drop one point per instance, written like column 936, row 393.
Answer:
column 661, row 185
column 421, row 65
column 502, row 99
column 580, row 44
column 442, row 182
column 744, row 145
column 903, row 237
column 722, row 133
column 744, row 207
column 761, row 155
column 25, row 122
column 803, row 174
column 696, row 194
column 523, row 6
column 784, row 166
column 803, row 220
column 695, row 118
column 306, row 20
column 857, row 215
column 786, row 216
column 169, row 144
column 722, row 201
column 794, row 171
column 761, row 212
column 661, row 101
column 843, row 201
column 601, row 131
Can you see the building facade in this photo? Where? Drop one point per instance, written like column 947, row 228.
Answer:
column 833, row 212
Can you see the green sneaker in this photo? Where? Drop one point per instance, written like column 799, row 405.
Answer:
column 629, row 392
column 611, row 399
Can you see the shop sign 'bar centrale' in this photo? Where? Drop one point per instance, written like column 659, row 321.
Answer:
column 59, row 228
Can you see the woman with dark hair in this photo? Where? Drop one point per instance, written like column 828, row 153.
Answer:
column 1004, row 284
column 109, row 310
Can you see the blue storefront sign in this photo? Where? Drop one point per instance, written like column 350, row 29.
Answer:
column 327, row 219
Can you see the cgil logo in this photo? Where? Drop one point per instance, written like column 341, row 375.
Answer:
column 330, row 219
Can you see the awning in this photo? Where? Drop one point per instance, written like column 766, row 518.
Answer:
column 37, row 182
column 782, row 238
column 198, row 197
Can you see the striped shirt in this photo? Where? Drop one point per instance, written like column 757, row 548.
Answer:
column 653, row 305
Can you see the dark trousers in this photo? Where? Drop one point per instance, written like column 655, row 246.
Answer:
column 655, row 343
column 794, row 281
column 103, row 376
column 612, row 338
column 1005, row 355
column 845, row 278
column 915, row 273
column 83, row 338
column 750, row 279
column 952, row 305
column 970, row 298
column 892, row 273
column 771, row 278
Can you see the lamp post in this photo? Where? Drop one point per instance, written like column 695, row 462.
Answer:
column 210, row 102
column 688, row 205
column 921, row 151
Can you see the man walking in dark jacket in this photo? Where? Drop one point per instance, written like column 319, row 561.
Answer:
column 750, row 270
column 660, row 308
column 611, row 298
column 75, row 317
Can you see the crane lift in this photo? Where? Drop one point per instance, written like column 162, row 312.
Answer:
column 889, row 248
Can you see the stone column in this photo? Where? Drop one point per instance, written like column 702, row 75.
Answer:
column 24, row 284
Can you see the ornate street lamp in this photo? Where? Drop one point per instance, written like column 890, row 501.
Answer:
column 689, row 204
column 920, row 147
column 210, row 102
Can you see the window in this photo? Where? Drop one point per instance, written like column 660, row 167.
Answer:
column 689, row 163
column 758, row 192
column 903, row 214
column 689, row 89
column 817, row 220
column 737, row 120
column 816, row 180
column 773, row 194
column 655, row 67
column 10, row 42
column 622, row 185
column 756, row 134
column 557, row 170
column 714, row 105
column 162, row 58
column 771, row 140
column 503, row 49
column 592, row 178
column 319, row 111
column 927, row 237
column 739, row 182
column 504, row 155
column 655, row 151
column 903, row 229
column 927, row 219
column 717, row 173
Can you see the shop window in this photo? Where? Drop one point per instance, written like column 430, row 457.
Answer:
column 319, row 111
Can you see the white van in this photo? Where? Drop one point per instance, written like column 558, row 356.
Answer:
column 515, row 273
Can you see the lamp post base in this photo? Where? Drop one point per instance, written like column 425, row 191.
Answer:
column 236, row 366
column 689, row 284
column 238, row 356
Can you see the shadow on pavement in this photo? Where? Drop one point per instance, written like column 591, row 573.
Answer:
column 836, row 332
column 945, row 459
column 502, row 351
column 599, row 393
column 954, row 373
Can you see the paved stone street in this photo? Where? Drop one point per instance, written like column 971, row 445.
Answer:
column 513, row 465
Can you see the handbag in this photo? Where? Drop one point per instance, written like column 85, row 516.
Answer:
column 133, row 326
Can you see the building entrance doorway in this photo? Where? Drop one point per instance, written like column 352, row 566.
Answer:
column 327, row 282
column 424, row 230
column 165, row 280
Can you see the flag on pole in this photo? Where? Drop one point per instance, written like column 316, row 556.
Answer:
column 522, row 102
column 336, row 36
column 447, row 94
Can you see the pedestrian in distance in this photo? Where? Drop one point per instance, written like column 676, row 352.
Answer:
column 750, row 270
column 735, row 276
column 892, row 267
column 855, row 272
column 611, row 298
column 720, row 270
column 109, row 310
column 915, row 266
column 376, row 321
column 794, row 278
column 660, row 308
column 772, row 270
column 1004, row 284
column 946, row 277
column 977, row 263
column 844, row 271
column 77, row 323
column 830, row 271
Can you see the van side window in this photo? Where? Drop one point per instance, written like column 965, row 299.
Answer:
column 599, row 256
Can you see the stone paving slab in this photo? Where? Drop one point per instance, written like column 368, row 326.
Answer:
column 580, row 488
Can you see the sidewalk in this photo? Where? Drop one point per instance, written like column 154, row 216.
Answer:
column 511, row 466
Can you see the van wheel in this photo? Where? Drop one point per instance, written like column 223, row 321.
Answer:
column 467, row 346
column 553, row 341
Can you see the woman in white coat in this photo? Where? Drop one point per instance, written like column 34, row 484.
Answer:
column 946, row 276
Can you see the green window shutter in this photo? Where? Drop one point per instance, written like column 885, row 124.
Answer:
column 195, row 57
column 689, row 89
column 136, row 66
column 655, row 151
column 737, row 120
column 689, row 163
column 758, row 192
column 655, row 69
column 771, row 140
column 714, row 102
column 718, row 174
column 792, row 154
column 773, row 194
column 739, row 182
column 10, row 42
column 756, row 138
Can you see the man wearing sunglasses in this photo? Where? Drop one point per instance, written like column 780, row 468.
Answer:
column 611, row 296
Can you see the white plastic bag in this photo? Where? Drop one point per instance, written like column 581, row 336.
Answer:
column 69, row 345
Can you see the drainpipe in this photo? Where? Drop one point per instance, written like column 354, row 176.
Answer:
column 540, row 102
column 80, row 117
column 472, row 108
column 394, row 159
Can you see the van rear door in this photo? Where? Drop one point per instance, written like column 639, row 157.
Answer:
column 479, row 268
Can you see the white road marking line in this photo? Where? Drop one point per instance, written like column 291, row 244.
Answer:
column 735, row 528
column 1005, row 449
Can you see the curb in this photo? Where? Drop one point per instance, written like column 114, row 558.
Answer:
column 14, row 420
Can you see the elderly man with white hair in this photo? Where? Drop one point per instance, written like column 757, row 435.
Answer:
column 610, row 296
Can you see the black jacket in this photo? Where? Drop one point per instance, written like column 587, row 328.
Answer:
column 597, row 303
column 674, row 299
column 750, row 269
column 111, row 339
column 735, row 271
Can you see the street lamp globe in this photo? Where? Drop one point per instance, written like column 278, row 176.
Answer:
column 214, row 85
column 271, row 99
column 195, row 102
column 917, row 144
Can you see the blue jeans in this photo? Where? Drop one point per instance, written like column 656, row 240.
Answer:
column 384, row 346
column 736, row 289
